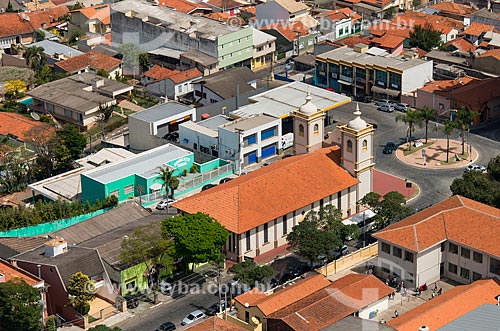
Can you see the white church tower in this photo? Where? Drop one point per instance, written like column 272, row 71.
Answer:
column 308, row 128
column 357, row 152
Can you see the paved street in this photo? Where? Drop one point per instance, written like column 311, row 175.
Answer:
column 434, row 184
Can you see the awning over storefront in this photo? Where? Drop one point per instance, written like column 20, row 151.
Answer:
column 392, row 93
column 344, row 82
column 155, row 187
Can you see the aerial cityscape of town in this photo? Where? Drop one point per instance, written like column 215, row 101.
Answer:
column 250, row 165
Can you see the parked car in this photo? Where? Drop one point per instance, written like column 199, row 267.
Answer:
column 403, row 107
column 132, row 302
column 168, row 326
column 216, row 308
column 194, row 316
column 174, row 136
column 389, row 148
column 387, row 107
column 340, row 252
column 206, row 187
column 382, row 102
column 164, row 204
column 475, row 167
column 225, row 180
column 364, row 98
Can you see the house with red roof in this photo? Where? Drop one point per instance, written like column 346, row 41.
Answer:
column 476, row 32
column 391, row 43
column 90, row 62
column 452, row 10
column 170, row 83
column 456, row 238
column 186, row 6
column 18, row 126
column 339, row 23
column 94, row 19
column 449, row 28
column 292, row 38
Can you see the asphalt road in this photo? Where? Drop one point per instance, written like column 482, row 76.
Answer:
column 434, row 184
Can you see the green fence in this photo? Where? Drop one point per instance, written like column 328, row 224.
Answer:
column 44, row 228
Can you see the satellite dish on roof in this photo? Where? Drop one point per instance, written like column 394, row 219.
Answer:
column 24, row 16
column 35, row 116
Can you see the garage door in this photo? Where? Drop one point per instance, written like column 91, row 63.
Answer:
column 252, row 157
column 268, row 151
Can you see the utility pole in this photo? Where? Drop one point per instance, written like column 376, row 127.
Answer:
column 240, row 157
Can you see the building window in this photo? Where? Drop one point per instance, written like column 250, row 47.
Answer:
column 397, row 252
column 494, row 266
column 477, row 257
column 269, row 133
column 131, row 285
column 365, row 145
column 116, row 193
column 213, row 100
column 452, row 248
column 349, row 146
column 128, row 189
column 409, row 256
column 250, row 140
column 316, row 129
column 452, row 268
column 285, row 225
column 476, row 276
column 409, row 277
column 301, row 130
column 266, row 233
column 248, row 240
column 465, row 253
column 386, row 248
column 464, row 273
column 385, row 268
column 247, row 317
column 443, row 244
column 396, row 272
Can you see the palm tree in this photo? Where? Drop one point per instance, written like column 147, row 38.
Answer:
column 173, row 185
column 464, row 119
column 168, row 179
column 449, row 128
column 411, row 118
column 35, row 57
column 427, row 114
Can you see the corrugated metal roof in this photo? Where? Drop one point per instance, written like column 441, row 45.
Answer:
column 483, row 318
column 161, row 111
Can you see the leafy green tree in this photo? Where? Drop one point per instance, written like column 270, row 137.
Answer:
column 74, row 36
column 144, row 61
column 50, row 324
column 321, row 232
column 76, row 6
column 9, row 9
column 448, row 129
column 35, row 58
column 39, row 35
column 427, row 114
column 147, row 245
column 494, row 168
column 20, row 308
column 130, row 55
column 388, row 208
column 198, row 237
column 74, row 141
column 81, row 291
column 250, row 273
column 102, row 73
column 45, row 75
column 169, row 181
column 412, row 119
column 102, row 327
column 477, row 186
column 464, row 119
column 425, row 37
column 105, row 111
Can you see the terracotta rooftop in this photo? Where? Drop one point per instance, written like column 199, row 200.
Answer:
column 99, row 12
column 411, row 19
column 157, row 72
column 449, row 306
column 269, row 304
column 452, row 8
column 183, row 6
column 47, row 18
column 18, row 125
column 493, row 53
column 438, row 85
column 340, row 14
column 226, row 17
column 381, row 29
column 477, row 29
column 228, row 4
column 461, row 44
column 251, row 297
column 288, row 29
column 183, row 76
column 93, row 59
column 388, row 41
column 11, row 272
column 13, row 24
column 459, row 219
column 354, row 40
column 32, row 5
column 215, row 324
column 281, row 190
column 330, row 304
column 377, row 3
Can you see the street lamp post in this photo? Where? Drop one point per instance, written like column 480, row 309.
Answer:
column 364, row 230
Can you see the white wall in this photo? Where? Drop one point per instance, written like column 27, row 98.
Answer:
column 378, row 306
column 416, row 77
column 428, row 265
column 195, row 137
column 209, row 95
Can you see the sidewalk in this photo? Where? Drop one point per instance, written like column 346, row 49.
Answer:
column 436, row 155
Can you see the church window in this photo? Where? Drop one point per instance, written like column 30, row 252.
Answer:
column 301, row 130
column 349, row 146
column 365, row 145
column 316, row 129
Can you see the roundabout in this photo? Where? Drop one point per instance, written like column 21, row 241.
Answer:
column 434, row 154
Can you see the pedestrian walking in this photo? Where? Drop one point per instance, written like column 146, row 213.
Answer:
column 396, row 314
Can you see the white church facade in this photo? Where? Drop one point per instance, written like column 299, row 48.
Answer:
column 261, row 208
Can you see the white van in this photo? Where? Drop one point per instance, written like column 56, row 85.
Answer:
column 363, row 220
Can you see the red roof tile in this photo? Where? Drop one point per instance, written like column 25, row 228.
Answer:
column 99, row 12
column 226, row 17
column 280, row 186
column 449, row 306
column 353, row 40
column 19, row 125
column 388, row 41
column 288, row 29
column 452, row 8
column 157, row 72
column 381, row 29
column 476, row 29
column 461, row 44
column 411, row 19
column 495, row 53
column 446, row 84
column 377, row 3
column 340, row 14
column 11, row 272
column 13, row 24
column 251, row 297
column 215, row 324
column 183, row 6
column 183, row 76
column 93, row 59
column 48, row 17
column 227, row 4
column 459, row 219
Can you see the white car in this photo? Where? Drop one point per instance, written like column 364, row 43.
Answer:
column 475, row 167
column 386, row 107
column 164, row 203
column 194, row 316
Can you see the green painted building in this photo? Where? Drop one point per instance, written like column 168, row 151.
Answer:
column 139, row 175
column 235, row 48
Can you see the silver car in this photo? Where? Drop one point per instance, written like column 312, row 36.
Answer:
column 386, row 107
column 403, row 107
column 194, row 316
column 475, row 167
